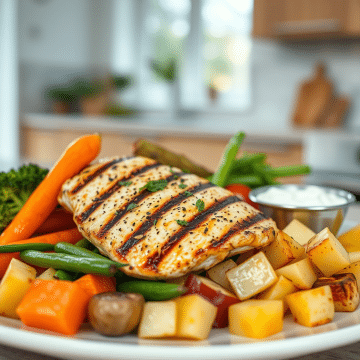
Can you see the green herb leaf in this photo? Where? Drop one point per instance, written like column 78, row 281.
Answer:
column 155, row 221
column 155, row 185
column 200, row 205
column 182, row 186
column 125, row 183
column 188, row 193
column 131, row 206
column 182, row 222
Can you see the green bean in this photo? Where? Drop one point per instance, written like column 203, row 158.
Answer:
column 245, row 162
column 152, row 290
column 248, row 180
column 68, row 262
column 84, row 243
column 290, row 170
column 63, row 275
column 220, row 176
column 21, row 247
column 66, row 248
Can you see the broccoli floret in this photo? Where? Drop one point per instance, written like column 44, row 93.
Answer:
column 15, row 188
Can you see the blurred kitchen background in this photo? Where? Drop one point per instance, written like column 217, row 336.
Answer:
column 186, row 74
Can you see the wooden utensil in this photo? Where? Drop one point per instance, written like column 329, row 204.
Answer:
column 337, row 112
column 314, row 97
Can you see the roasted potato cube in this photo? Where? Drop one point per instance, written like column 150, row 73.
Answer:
column 301, row 273
column 16, row 281
column 252, row 276
column 353, row 268
column 158, row 320
column 327, row 253
column 195, row 317
column 256, row 318
column 354, row 256
column 312, row 307
column 283, row 250
column 279, row 290
column 344, row 290
column 48, row 274
column 299, row 232
column 218, row 273
column 350, row 240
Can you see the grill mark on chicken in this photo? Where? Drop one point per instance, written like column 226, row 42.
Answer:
column 108, row 192
column 139, row 234
column 244, row 224
column 119, row 213
column 96, row 173
column 154, row 261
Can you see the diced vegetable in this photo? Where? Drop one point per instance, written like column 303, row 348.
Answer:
column 351, row 239
column 327, row 253
column 353, row 268
column 283, row 250
column 95, row 284
column 279, row 290
column 256, row 318
column 13, row 286
column 48, row 274
column 354, row 256
column 216, row 294
column 301, row 273
column 344, row 290
column 159, row 320
column 252, row 276
column 54, row 305
column 44, row 198
column 114, row 313
column 195, row 317
column 312, row 307
column 299, row 232
column 218, row 273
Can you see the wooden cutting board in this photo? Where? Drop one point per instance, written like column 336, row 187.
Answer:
column 313, row 99
column 337, row 112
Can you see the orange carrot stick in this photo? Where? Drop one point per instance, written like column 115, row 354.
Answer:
column 59, row 219
column 44, row 199
column 54, row 305
column 71, row 236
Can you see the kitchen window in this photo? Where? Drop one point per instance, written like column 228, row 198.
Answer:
column 208, row 39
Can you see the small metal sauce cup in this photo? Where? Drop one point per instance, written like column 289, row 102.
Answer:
column 314, row 217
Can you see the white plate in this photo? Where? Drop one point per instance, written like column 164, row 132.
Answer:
column 295, row 340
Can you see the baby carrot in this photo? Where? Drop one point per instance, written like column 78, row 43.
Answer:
column 59, row 219
column 71, row 236
column 44, row 199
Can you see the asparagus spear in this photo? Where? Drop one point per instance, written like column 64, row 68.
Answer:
column 163, row 156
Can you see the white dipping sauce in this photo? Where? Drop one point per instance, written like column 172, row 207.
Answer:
column 294, row 196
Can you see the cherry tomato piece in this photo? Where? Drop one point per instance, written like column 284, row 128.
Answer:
column 242, row 190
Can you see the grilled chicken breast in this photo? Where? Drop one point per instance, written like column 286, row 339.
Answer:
column 163, row 222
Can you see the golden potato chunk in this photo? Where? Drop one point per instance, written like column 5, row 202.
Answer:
column 350, row 240
column 158, row 320
column 252, row 276
column 283, row 250
column 299, row 232
column 218, row 273
column 14, row 284
column 256, row 318
column 195, row 317
column 327, row 253
column 301, row 273
column 312, row 307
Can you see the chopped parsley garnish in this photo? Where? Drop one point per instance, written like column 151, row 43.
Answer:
column 155, row 185
column 125, row 183
column 131, row 206
column 188, row 193
column 182, row 186
column 155, row 221
column 182, row 222
column 200, row 205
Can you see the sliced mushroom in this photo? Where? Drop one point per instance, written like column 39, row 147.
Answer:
column 115, row 313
